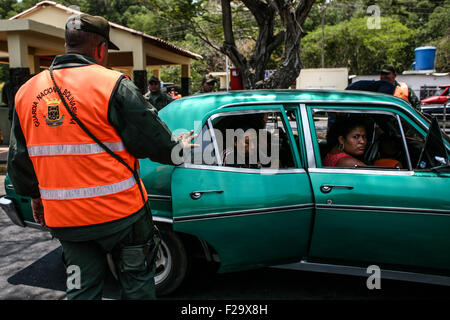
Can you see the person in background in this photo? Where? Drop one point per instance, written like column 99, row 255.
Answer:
column 402, row 90
column 155, row 96
column 175, row 95
column 208, row 84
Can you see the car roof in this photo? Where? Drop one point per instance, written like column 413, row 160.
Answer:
column 184, row 112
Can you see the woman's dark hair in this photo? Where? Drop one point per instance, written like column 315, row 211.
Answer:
column 342, row 126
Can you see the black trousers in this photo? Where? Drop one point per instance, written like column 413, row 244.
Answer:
column 87, row 266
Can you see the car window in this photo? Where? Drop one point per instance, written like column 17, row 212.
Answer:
column 359, row 140
column 252, row 140
column 414, row 140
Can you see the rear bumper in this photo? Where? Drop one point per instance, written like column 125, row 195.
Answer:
column 8, row 206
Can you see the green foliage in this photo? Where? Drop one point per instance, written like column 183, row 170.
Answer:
column 353, row 45
column 4, row 73
column 406, row 24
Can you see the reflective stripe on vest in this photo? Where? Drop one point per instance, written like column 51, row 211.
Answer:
column 66, row 149
column 66, row 194
column 402, row 91
column 80, row 183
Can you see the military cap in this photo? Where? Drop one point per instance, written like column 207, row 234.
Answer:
column 93, row 24
column 209, row 78
column 154, row 79
column 388, row 68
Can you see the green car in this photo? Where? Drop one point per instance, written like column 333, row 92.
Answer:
column 257, row 191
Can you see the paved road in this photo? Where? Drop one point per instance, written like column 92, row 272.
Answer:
column 31, row 269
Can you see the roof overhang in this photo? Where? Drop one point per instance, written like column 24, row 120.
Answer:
column 147, row 38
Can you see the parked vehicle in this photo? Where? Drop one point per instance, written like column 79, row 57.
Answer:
column 441, row 97
column 292, row 210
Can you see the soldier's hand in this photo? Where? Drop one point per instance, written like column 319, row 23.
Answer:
column 38, row 211
column 187, row 138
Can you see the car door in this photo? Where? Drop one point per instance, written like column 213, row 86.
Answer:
column 249, row 216
column 379, row 215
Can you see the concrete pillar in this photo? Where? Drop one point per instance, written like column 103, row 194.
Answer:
column 140, row 80
column 185, row 80
column 36, row 67
column 17, row 51
column 139, row 66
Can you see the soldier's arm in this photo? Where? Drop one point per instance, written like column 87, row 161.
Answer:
column 143, row 133
column 20, row 168
column 413, row 99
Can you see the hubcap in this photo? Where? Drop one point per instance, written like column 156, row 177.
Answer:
column 163, row 263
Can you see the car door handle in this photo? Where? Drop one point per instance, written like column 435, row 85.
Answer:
column 326, row 188
column 195, row 195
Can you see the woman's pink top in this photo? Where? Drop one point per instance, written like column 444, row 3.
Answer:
column 330, row 160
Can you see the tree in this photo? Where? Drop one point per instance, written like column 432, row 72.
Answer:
column 353, row 45
column 275, row 24
column 292, row 15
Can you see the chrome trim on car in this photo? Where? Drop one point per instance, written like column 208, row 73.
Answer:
column 214, row 140
column 361, row 170
column 159, row 197
column 232, row 214
column 162, row 219
column 405, row 145
column 8, row 206
column 305, row 265
column 239, row 112
column 330, row 109
column 330, row 102
column 308, row 138
column 422, row 211
column 264, row 171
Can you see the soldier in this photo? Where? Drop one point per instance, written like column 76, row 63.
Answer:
column 402, row 90
column 157, row 98
column 208, row 83
column 92, row 200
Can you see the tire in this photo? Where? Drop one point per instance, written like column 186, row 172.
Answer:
column 171, row 263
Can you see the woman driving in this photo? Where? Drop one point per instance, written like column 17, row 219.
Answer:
column 348, row 140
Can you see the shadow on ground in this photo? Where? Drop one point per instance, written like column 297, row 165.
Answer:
column 49, row 272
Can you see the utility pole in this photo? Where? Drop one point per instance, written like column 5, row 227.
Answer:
column 323, row 8
column 227, row 69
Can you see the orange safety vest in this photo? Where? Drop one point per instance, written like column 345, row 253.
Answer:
column 402, row 91
column 80, row 184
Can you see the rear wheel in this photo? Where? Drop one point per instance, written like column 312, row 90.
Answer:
column 171, row 263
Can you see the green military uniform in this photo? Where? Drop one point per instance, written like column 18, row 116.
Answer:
column 144, row 136
column 159, row 100
column 412, row 97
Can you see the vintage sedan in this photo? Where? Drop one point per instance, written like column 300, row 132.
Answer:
column 287, row 208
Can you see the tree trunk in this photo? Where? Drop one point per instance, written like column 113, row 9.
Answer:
column 253, row 70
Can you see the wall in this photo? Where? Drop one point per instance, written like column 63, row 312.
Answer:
column 323, row 78
column 415, row 81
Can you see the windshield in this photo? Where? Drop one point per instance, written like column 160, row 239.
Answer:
column 441, row 91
